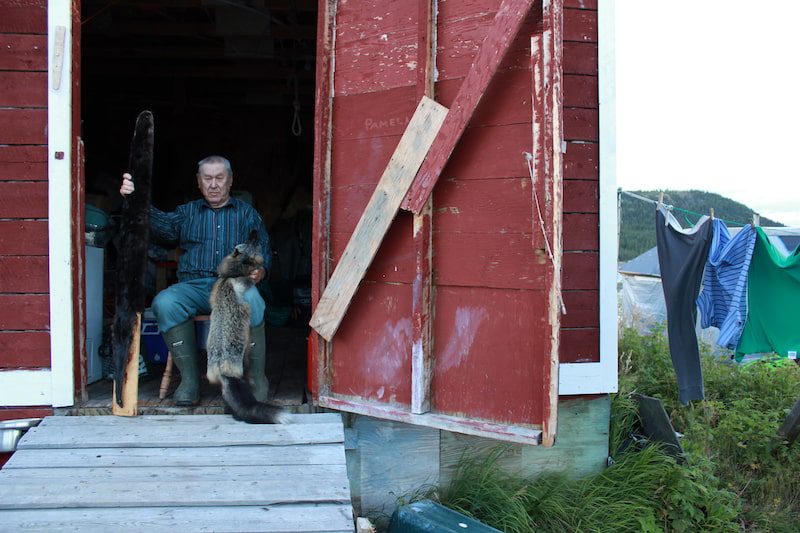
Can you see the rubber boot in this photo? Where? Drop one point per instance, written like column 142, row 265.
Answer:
column 182, row 345
column 258, row 363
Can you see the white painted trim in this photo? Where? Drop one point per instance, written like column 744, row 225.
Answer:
column 59, row 176
column 25, row 387
column 595, row 378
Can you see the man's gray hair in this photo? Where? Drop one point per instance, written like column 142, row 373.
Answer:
column 216, row 159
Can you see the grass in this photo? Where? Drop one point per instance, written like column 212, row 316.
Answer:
column 645, row 490
column 738, row 475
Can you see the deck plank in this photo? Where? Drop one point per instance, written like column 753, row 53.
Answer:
column 320, row 454
column 141, row 435
column 167, row 420
column 321, row 518
column 157, row 474
column 137, row 487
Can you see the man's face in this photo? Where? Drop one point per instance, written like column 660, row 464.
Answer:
column 214, row 184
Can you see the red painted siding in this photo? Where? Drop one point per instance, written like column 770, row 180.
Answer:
column 580, row 333
column 23, row 163
column 24, row 290
column 23, row 16
column 371, row 358
column 485, row 340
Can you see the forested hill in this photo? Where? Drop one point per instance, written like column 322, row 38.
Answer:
column 637, row 218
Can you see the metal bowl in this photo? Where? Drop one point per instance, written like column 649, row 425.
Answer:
column 12, row 430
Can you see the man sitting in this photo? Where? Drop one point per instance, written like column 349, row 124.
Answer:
column 206, row 230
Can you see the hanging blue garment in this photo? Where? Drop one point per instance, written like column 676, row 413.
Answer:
column 711, row 304
column 723, row 302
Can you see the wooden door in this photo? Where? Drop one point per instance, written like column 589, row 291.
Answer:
column 481, row 347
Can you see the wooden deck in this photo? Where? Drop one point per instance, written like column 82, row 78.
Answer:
column 178, row 473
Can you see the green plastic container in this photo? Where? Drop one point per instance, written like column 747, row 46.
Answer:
column 96, row 219
column 427, row 516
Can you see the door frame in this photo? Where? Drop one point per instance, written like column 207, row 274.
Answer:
column 602, row 377
column 55, row 385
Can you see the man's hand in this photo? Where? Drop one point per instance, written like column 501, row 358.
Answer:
column 257, row 274
column 127, row 185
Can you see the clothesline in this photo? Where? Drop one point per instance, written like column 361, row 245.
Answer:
column 673, row 208
column 749, row 291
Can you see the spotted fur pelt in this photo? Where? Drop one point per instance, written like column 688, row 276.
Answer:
column 228, row 337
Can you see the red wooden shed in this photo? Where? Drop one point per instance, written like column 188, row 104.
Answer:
column 473, row 295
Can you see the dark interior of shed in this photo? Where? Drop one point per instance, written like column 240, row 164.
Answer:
column 227, row 77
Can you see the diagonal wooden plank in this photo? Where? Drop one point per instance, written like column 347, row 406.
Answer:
column 507, row 23
column 377, row 217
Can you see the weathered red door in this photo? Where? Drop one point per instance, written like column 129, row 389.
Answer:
column 470, row 286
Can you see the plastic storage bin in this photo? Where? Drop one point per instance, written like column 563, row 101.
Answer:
column 157, row 351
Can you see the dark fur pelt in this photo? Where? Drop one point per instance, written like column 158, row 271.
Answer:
column 229, row 335
column 243, row 405
column 134, row 235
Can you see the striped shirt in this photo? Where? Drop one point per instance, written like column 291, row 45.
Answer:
column 723, row 301
column 206, row 235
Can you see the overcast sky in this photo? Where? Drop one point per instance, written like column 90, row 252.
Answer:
column 708, row 98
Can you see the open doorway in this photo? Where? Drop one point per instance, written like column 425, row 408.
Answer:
column 227, row 77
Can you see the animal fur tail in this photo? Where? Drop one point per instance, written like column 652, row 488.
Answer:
column 243, row 405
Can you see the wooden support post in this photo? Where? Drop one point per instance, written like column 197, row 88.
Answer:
column 166, row 378
column 546, row 52
column 79, row 272
column 539, row 158
column 130, row 385
column 377, row 217
column 422, row 288
column 319, row 350
column 507, row 22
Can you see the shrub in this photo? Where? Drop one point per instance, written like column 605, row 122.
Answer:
column 733, row 434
